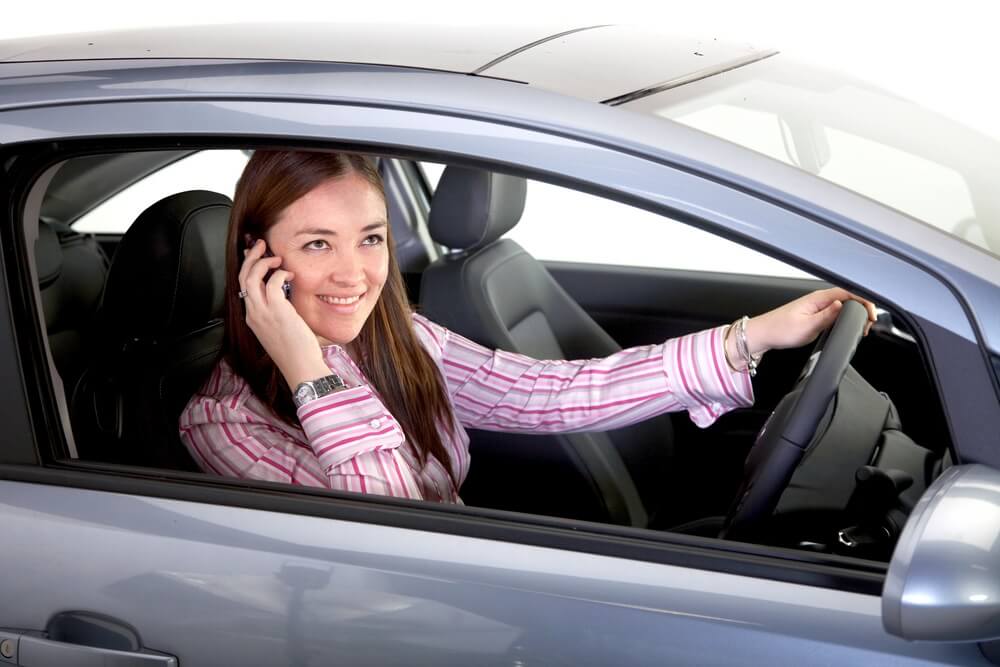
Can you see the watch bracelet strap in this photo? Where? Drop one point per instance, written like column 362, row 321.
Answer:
column 321, row 387
column 328, row 384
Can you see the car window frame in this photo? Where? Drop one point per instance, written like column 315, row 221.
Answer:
column 670, row 548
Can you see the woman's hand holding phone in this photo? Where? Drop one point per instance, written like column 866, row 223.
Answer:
column 280, row 329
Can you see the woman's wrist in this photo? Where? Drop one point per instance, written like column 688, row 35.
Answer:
column 736, row 363
column 305, row 371
column 743, row 344
column 756, row 336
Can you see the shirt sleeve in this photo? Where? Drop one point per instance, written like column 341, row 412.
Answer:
column 350, row 444
column 504, row 391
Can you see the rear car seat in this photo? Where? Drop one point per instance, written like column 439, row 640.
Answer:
column 71, row 273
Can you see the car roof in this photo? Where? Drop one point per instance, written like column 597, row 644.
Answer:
column 587, row 62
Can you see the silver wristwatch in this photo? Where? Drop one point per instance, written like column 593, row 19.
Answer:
column 313, row 389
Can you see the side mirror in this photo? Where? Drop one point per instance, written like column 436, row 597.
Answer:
column 943, row 582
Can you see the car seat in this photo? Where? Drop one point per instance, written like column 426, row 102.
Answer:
column 161, row 332
column 492, row 291
column 71, row 273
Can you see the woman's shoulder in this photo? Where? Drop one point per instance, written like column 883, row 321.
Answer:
column 223, row 386
column 431, row 334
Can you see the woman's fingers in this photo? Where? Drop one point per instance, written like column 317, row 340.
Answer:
column 800, row 321
column 274, row 286
column 829, row 314
column 250, row 256
column 823, row 298
column 841, row 294
column 872, row 313
column 254, row 283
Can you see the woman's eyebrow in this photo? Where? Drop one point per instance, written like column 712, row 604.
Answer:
column 329, row 232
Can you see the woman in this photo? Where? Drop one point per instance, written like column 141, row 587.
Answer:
column 336, row 383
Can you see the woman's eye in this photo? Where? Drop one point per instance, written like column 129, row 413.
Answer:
column 373, row 239
column 318, row 244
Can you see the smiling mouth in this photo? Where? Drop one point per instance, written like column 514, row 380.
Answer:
column 340, row 300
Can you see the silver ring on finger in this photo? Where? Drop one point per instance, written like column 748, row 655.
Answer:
column 242, row 294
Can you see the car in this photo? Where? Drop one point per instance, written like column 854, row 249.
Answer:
column 664, row 184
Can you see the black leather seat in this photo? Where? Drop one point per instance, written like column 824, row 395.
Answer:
column 160, row 333
column 495, row 293
column 71, row 272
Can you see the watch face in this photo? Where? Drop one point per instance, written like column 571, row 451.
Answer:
column 304, row 393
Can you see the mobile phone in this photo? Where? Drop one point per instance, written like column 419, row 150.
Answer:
column 286, row 286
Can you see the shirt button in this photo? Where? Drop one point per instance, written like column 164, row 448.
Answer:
column 716, row 407
column 375, row 423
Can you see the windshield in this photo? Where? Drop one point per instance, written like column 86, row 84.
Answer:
column 852, row 134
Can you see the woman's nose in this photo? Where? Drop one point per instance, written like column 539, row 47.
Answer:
column 349, row 268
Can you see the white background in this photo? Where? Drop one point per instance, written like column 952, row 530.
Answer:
column 941, row 54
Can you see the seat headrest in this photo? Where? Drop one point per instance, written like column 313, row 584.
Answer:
column 48, row 255
column 168, row 274
column 71, row 271
column 472, row 208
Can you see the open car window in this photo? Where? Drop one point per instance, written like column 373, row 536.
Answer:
column 651, row 287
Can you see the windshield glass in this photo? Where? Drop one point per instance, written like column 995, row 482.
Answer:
column 852, row 134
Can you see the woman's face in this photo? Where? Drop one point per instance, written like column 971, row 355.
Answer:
column 333, row 239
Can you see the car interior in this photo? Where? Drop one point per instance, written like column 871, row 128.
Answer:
column 134, row 327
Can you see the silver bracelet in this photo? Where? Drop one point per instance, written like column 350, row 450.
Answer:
column 743, row 347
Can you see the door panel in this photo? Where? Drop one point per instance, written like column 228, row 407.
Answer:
column 640, row 305
column 219, row 585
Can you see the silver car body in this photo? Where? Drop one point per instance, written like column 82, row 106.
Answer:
column 218, row 574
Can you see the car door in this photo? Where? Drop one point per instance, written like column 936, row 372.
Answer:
column 214, row 571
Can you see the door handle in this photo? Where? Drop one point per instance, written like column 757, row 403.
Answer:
column 79, row 638
column 33, row 651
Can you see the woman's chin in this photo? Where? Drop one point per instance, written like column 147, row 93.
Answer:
column 342, row 338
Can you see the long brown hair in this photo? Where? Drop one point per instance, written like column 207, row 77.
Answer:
column 389, row 353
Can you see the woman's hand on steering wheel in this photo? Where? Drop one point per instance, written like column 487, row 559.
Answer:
column 799, row 322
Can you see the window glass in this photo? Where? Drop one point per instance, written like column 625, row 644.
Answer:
column 919, row 187
column 215, row 170
column 564, row 225
column 852, row 134
column 757, row 130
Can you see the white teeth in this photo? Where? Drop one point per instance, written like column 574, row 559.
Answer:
column 340, row 301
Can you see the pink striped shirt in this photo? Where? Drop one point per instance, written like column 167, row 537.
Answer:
column 349, row 441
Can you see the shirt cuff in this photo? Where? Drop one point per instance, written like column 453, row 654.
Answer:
column 341, row 425
column 700, row 377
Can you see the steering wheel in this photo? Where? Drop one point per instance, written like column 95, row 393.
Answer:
column 791, row 428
